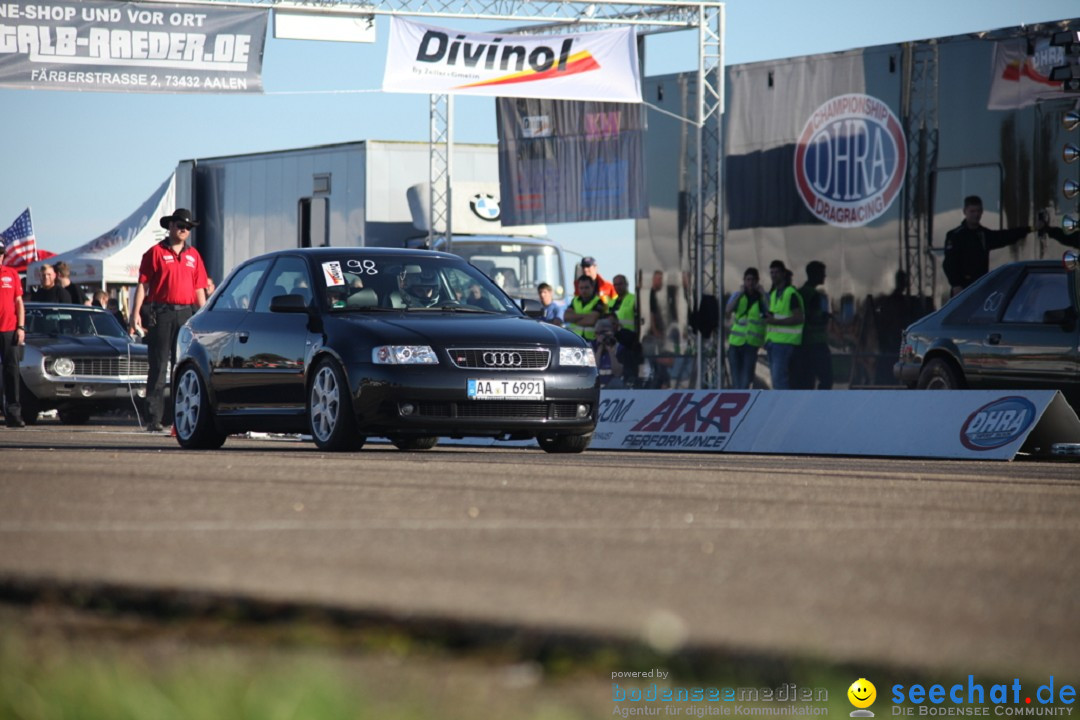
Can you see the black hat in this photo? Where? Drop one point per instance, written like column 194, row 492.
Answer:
column 179, row 215
column 588, row 262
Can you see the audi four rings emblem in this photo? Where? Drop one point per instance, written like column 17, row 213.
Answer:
column 502, row 359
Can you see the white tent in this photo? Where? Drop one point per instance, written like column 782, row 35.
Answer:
column 115, row 256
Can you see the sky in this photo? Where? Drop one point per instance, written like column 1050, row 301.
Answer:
column 84, row 161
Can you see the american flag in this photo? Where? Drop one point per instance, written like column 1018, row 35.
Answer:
column 19, row 241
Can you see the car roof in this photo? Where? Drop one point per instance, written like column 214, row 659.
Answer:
column 1020, row 265
column 367, row 251
column 64, row 306
column 1039, row 263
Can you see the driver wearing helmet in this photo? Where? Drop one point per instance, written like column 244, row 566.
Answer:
column 420, row 288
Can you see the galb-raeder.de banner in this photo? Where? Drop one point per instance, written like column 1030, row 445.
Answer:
column 131, row 46
column 586, row 66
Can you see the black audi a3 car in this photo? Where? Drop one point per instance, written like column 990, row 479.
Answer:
column 349, row 343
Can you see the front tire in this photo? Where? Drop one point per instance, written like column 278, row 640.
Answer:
column 192, row 414
column 414, row 443
column 330, row 415
column 565, row 443
column 938, row 374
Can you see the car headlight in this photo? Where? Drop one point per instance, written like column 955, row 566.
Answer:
column 404, row 355
column 581, row 357
column 62, row 366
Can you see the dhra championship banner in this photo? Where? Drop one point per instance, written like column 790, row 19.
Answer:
column 131, row 47
column 585, row 66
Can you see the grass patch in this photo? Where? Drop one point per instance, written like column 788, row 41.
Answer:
column 68, row 665
column 58, row 663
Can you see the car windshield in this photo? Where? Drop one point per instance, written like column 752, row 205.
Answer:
column 68, row 321
column 388, row 283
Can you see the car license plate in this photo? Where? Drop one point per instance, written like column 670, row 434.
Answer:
column 490, row 389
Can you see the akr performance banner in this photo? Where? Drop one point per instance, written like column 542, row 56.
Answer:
column 585, row 66
column 131, row 47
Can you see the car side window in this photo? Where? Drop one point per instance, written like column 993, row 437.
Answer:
column 238, row 293
column 983, row 304
column 289, row 276
column 1039, row 293
column 106, row 325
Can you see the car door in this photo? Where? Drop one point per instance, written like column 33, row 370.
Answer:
column 215, row 328
column 1037, row 336
column 972, row 327
column 269, row 348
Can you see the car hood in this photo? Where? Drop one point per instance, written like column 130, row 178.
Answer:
column 85, row 345
column 461, row 329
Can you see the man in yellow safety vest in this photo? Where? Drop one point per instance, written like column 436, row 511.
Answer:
column 625, row 305
column 747, row 307
column 585, row 309
column 783, row 333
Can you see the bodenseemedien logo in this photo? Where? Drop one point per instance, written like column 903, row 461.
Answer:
column 862, row 695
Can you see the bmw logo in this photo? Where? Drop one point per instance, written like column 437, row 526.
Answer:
column 485, row 206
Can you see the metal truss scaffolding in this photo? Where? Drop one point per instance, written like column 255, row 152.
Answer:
column 441, row 151
column 555, row 16
column 920, row 117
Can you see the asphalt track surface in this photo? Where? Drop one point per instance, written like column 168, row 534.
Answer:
column 965, row 566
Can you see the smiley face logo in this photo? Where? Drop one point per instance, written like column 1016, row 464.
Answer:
column 862, row 693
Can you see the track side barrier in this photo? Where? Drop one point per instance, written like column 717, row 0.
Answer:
column 956, row 424
column 961, row 424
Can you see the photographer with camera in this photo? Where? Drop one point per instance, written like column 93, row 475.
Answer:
column 608, row 365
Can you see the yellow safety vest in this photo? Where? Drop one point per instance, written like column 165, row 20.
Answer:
column 623, row 307
column 588, row 333
column 749, row 327
column 780, row 307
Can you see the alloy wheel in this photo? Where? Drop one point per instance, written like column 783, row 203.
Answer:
column 187, row 404
column 325, row 403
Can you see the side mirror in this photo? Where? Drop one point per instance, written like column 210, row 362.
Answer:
column 288, row 304
column 1071, row 260
column 532, row 308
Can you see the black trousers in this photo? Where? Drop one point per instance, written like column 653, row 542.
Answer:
column 811, row 367
column 161, row 339
column 9, row 355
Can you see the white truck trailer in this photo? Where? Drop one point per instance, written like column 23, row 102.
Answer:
column 364, row 193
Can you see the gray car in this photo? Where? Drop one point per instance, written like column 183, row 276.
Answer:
column 1017, row 327
column 78, row 360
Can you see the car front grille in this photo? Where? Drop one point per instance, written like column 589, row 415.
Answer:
column 498, row 409
column 110, row 367
column 500, row 358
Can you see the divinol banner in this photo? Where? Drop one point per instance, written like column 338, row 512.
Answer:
column 130, row 47
column 586, row 66
column 563, row 161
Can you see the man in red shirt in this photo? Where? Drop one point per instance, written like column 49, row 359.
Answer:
column 12, row 335
column 604, row 288
column 172, row 285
